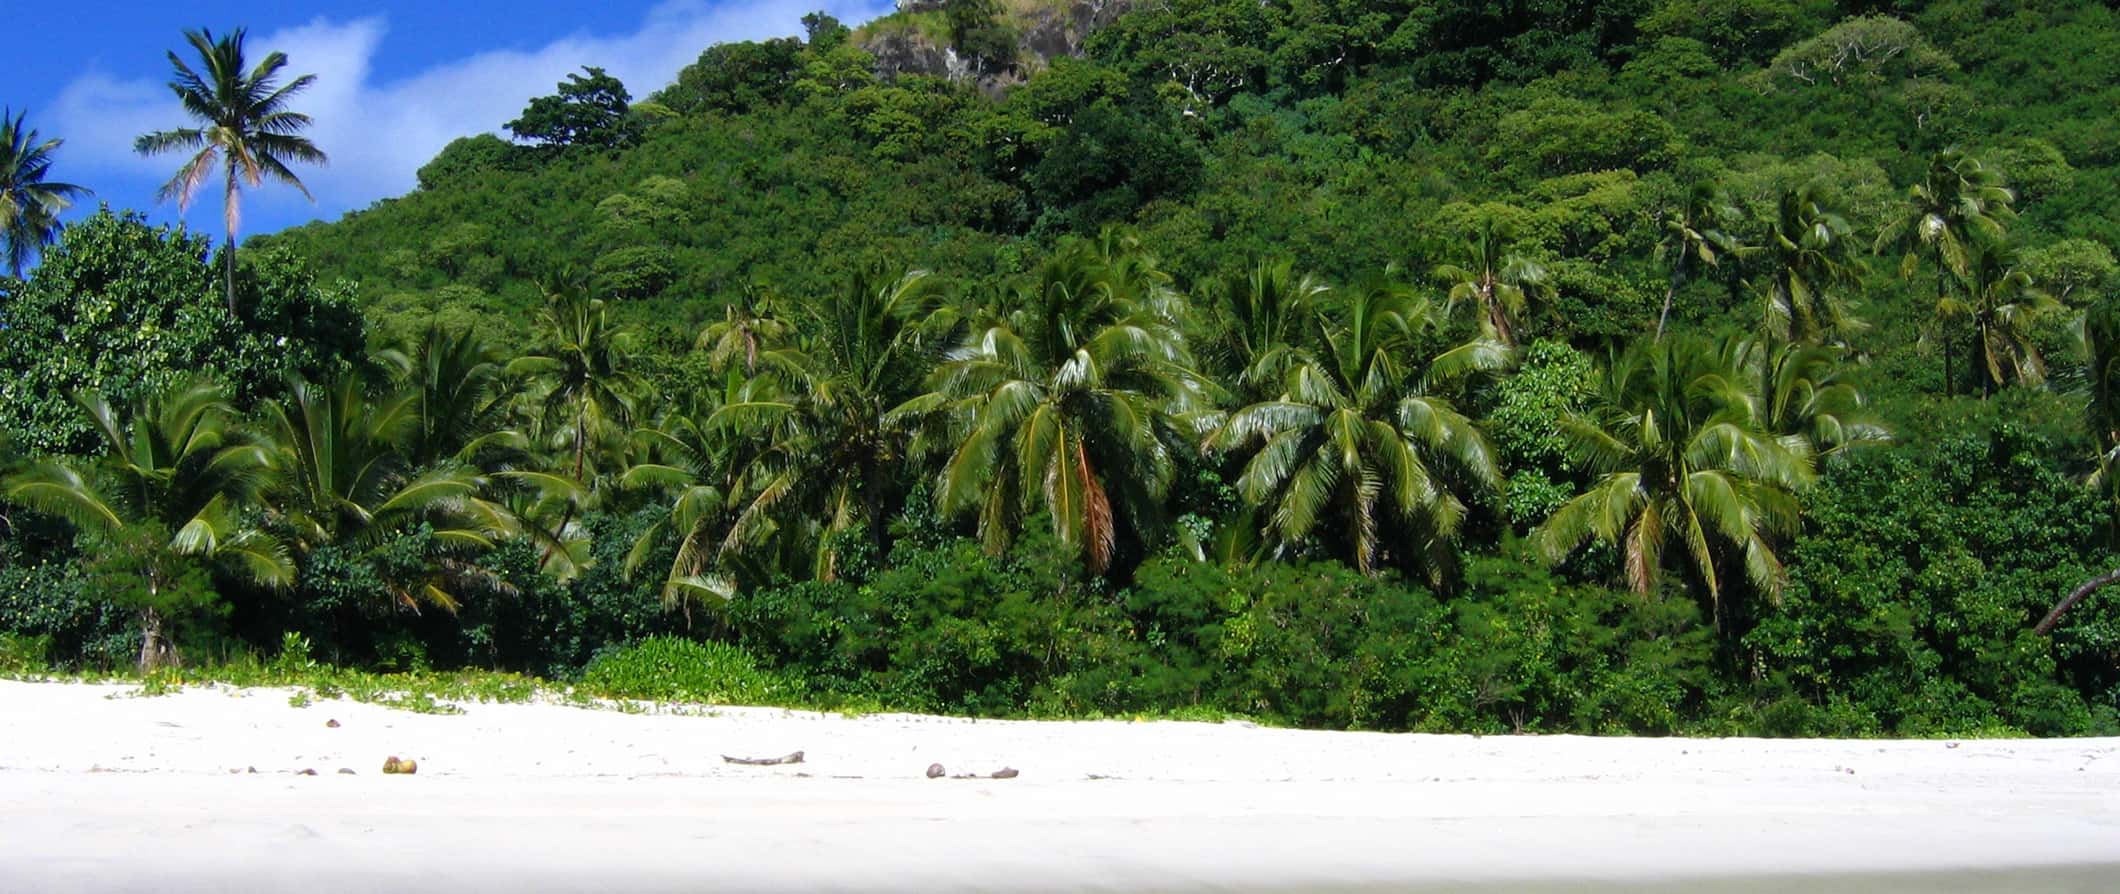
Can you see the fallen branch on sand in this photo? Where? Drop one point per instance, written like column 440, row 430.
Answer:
column 792, row 757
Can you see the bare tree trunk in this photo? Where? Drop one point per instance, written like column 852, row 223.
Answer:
column 2046, row 624
column 155, row 648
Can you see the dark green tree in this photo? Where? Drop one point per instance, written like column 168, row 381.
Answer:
column 590, row 111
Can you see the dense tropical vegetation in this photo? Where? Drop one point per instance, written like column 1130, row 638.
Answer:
column 1659, row 367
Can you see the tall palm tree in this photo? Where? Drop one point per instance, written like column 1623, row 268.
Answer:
column 835, row 452
column 589, row 391
column 1499, row 283
column 588, row 364
column 1693, row 233
column 2004, row 306
column 689, row 463
column 1957, row 204
column 1069, row 402
column 244, row 127
column 29, row 204
column 2099, row 332
column 1682, row 461
column 1809, row 269
column 176, row 481
column 1357, row 419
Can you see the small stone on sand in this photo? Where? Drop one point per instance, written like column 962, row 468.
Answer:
column 935, row 771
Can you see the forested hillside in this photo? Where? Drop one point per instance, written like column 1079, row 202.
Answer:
column 1655, row 366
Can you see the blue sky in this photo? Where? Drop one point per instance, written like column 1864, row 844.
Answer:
column 397, row 80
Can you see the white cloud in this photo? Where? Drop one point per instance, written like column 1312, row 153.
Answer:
column 379, row 132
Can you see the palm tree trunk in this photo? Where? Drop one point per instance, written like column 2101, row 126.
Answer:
column 581, row 430
column 228, row 216
column 1662, row 318
column 2046, row 624
column 1979, row 356
column 1943, row 332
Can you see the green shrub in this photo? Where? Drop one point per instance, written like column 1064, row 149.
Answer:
column 20, row 654
column 671, row 669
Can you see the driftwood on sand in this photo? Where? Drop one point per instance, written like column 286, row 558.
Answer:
column 792, row 757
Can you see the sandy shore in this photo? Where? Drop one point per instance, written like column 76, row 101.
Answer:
column 101, row 791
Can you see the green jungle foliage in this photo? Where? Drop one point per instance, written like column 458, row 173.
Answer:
column 1666, row 366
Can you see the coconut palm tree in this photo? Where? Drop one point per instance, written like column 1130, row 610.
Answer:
column 174, row 488
column 1809, row 270
column 244, row 126
column 1693, row 233
column 835, row 453
column 748, row 325
column 1682, row 461
column 459, row 396
column 1069, row 402
column 1358, row 419
column 1498, row 283
column 1257, row 316
column 2099, row 334
column 29, row 203
column 2004, row 306
column 697, row 469
column 1958, row 204
column 587, row 394
column 1800, row 395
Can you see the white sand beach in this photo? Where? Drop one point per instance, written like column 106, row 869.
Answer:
column 101, row 791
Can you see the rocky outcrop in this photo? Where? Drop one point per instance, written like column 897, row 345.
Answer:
column 1042, row 34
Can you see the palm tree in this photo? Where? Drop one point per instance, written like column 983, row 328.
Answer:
column 1692, row 231
column 1802, row 398
column 1355, row 421
column 174, row 487
column 459, row 392
column 1957, row 204
column 2004, row 306
column 349, row 480
column 2098, row 331
column 29, row 204
column 588, row 364
column 688, row 462
column 1259, row 314
column 1069, row 402
column 1682, row 461
column 589, row 391
column 245, row 128
column 1808, row 270
column 748, row 325
column 835, row 451
column 1499, row 283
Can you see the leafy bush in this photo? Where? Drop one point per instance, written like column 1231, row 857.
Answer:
column 666, row 668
